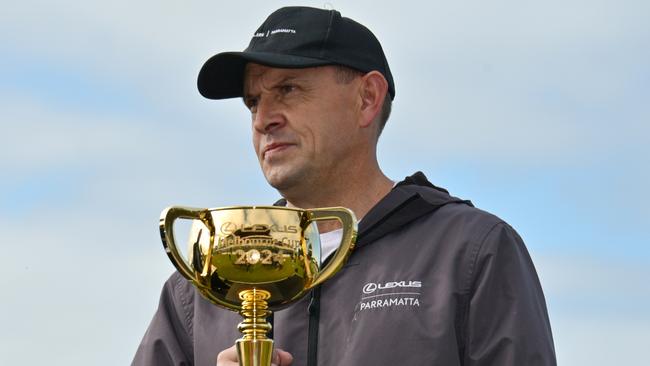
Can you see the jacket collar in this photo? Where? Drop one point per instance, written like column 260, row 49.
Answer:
column 410, row 199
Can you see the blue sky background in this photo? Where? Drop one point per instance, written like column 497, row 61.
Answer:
column 536, row 111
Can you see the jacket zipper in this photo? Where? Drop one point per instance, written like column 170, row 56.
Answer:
column 314, row 317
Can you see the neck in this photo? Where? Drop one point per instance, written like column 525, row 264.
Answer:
column 359, row 192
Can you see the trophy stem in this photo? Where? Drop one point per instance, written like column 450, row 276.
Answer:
column 254, row 348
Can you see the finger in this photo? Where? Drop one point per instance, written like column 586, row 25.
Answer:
column 228, row 357
column 276, row 360
column 284, row 358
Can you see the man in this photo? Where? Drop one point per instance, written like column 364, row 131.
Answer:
column 432, row 281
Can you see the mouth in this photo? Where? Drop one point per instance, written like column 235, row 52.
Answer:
column 275, row 148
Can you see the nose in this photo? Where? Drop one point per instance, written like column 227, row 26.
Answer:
column 267, row 116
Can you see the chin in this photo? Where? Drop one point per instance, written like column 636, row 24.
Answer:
column 284, row 180
column 280, row 184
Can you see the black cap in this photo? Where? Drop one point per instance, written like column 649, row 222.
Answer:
column 296, row 37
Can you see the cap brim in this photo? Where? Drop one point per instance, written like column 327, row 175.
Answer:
column 222, row 76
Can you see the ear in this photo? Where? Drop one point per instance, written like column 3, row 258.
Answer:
column 373, row 91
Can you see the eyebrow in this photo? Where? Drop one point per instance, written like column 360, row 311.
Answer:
column 283, row 80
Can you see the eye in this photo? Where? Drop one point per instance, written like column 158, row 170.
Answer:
column 286, row 88
column 251, row 103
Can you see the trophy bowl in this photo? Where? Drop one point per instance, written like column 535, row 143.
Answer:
column 254, row 260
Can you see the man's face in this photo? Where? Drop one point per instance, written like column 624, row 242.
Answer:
column 303, row 123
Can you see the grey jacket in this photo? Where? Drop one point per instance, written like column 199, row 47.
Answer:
column 432, row 281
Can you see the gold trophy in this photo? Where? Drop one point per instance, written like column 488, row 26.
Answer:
column 255, row 259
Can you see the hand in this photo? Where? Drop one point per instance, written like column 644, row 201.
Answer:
column 229, row 357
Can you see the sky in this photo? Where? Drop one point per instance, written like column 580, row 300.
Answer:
column 536, row 111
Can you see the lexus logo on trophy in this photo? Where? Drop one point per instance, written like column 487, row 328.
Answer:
column 255, row 259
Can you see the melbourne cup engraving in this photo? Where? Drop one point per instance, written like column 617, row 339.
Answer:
column 254, row 260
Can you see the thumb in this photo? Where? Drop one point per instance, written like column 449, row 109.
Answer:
column 281, row 358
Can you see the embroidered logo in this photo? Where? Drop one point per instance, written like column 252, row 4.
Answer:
column 390, row 294
column 274, row 31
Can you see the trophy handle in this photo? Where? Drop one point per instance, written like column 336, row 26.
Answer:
column 349, row 224
column 167, row 218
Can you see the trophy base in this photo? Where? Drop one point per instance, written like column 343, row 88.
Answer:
column 254, row 352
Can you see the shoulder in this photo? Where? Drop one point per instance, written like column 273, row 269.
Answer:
column 459, row 218
column 469, row 217
column 473, row 236
column 452, row 212
column 178, row 296
column 492, row 248
column 179, row 287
